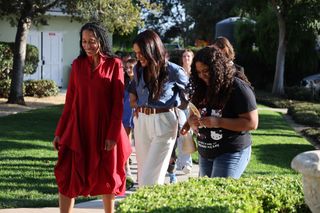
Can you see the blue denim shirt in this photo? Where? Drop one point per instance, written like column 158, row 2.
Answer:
column 177, row 81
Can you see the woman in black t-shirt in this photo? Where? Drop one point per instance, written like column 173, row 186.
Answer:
column 228, row 112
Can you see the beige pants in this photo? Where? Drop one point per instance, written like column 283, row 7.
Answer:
column 155, row 136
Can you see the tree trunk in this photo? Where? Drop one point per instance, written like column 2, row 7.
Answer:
column 19, row 55
column 278, row 81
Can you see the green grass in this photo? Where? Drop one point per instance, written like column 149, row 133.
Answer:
column 275, row 144
column 27, row 158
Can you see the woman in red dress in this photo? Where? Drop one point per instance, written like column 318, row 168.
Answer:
column 90, row 138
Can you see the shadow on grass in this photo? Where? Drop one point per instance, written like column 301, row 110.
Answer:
column 13, row 145
column 279, row 155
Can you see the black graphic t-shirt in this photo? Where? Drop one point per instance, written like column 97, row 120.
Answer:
column 215, row 141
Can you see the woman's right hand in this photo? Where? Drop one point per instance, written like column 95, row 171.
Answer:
column 56, row 142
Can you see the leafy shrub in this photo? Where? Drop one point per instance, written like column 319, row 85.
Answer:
column 307, row 118
column 305, row 113
column 314, row 134
column 299, row 93
column 304, row 106
column 41, row 88
column 5, row 88
column 32, row 59
column 258, row 194
column 6, row 59
column 270, row 100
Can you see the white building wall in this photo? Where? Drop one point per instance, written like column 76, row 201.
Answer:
column 59, row 24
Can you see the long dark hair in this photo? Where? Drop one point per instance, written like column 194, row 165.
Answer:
column 154, row 52
column 101, row 34
column 221, row 80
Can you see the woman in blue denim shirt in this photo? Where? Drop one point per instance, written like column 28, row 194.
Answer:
column 155, row 92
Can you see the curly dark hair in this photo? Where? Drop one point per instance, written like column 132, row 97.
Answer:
column 154, row 52
column 222, row 74
column 101, row 34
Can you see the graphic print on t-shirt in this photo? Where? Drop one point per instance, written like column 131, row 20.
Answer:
column 215, row 135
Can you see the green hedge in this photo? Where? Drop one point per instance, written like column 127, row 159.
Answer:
column 41, row 88
column 268, row 99
column 302, row 94
column 36, row 88
column 306, row 113
column 5, row 88
column 247, row 195
column 6, row 59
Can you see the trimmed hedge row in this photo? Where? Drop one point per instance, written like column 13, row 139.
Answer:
column 306, row 113
column 247, row 195
column 36, row 88
column 41, row 88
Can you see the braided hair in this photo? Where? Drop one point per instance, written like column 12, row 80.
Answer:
column 101, row 34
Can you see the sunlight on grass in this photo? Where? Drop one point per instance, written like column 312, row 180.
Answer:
column 27, row 158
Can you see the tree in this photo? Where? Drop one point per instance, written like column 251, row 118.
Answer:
column 207, row 13
column 299, row 14
column 122, row 16
column 167, row 20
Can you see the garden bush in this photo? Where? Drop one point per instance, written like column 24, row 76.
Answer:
column 6, row 59
column 313, row 133
column 270, row 100
column 41, row 88
column 305, row 113
column 301, row 94
column 249, row 195
column 5, row 88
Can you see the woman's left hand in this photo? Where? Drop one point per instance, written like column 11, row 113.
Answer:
column 109, row 144
column 210, row 122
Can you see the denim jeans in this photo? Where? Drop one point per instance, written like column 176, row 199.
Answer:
column 225, row 165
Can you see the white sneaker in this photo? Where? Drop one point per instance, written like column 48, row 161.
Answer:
column 186, row 169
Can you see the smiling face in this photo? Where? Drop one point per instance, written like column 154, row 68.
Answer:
column 129, row 69
column 139, row 56
column 187, row 59
column 203, row 72
column 90, row 43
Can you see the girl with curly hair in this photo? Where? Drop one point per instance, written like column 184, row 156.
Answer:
column 228, row 110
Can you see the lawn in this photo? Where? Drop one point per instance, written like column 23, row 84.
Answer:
column 27, row 157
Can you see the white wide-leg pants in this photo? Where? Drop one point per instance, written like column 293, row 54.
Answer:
column 155, row 135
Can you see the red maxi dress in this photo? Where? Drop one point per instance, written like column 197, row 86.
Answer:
column 92, row 114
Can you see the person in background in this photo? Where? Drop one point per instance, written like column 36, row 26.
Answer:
column 186, row 60
column 184, row 161
column 155, row 93
column 224, row 44
column 228, row 107
column 91, row 141
column 127, row 118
